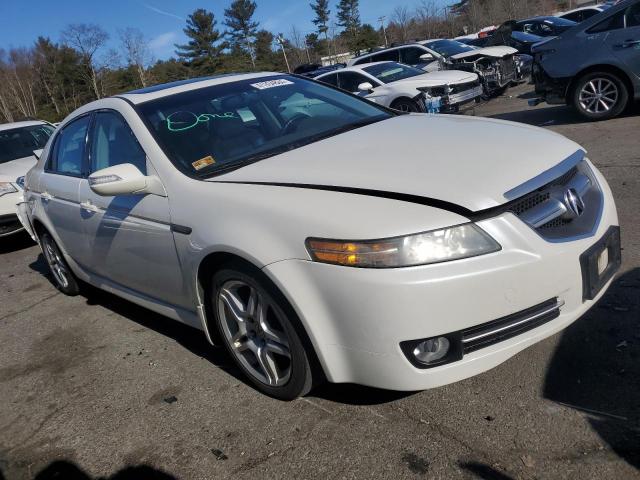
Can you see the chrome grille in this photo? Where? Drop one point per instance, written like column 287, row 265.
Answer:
column 565, row 208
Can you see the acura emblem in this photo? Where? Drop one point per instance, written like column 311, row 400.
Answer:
column 573, row 202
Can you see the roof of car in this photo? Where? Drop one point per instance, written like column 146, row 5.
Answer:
column 165, row 89
column 355, row 67
column 26, row 123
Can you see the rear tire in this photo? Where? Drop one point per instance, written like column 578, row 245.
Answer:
column 261, row 331
column 406, row 105
column 63, row 278
column 600, row 96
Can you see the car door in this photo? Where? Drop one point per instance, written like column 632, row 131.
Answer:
column 349, row 81
column 625, row 42
column 60, row 182
column 128, row 237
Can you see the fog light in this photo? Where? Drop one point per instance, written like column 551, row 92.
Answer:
column 431, row 350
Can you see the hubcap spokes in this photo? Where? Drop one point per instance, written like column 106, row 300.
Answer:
column 599, row 95
column 56, row 264
column 253, row 328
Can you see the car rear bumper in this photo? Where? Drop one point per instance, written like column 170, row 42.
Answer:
column 358, row 318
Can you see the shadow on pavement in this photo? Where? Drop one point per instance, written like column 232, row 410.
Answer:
column 64, row 470
column 351, row 394
column 190, row 338
column 485, row 472
column 15, row 242
column 596, row 368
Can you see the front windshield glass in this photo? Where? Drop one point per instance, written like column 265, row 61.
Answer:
column 392, row 72
column 214, row 129
column 447, row 48
column 21, row 142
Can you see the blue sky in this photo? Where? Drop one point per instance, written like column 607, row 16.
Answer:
column 21, row 21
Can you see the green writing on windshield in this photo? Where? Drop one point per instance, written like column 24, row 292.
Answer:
column 181, row 121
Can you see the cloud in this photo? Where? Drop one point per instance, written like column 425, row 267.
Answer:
column 163, row 43
column 162, row 12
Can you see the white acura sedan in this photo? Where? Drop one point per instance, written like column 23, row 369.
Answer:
column 311, row 233
column 406, row 88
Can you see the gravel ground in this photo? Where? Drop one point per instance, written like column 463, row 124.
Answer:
column 93, row 386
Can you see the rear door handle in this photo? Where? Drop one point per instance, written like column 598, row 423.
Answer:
column 630, row 43
column 89, row 207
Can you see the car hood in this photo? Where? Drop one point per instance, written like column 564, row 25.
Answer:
column 465, row 161
column 495, row 52
column 442, row 77
column 10, row 171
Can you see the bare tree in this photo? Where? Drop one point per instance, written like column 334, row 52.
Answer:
column 402, row 19
column 136, row 52
column 428, row 16
column 87, row 39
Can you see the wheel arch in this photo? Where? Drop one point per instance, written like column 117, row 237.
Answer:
column 216, row 260
column 604, row 67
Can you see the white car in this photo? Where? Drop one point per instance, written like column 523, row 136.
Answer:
column 583, row 13
column 494, row 65
column 331, row 244
column 406, row 88
column 18, row 141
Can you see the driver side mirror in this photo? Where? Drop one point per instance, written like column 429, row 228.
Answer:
column 427, row 57
column 365, row 87
column 124, row 179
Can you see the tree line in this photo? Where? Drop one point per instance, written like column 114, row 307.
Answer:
column 52, row 78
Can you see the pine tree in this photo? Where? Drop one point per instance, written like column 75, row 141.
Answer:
column 349, row 19
column 321, row 20
column 203, row 52
column 241, row 28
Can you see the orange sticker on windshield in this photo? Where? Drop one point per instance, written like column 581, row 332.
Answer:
column 203, row 162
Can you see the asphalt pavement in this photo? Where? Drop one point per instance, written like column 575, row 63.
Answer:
column 93, row 386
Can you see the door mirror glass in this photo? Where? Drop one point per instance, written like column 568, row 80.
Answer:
column 365, row 87
column 123, row 179
column 426, row 57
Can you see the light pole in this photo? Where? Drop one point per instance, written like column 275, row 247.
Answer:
column 280, row 40
column 384, row 31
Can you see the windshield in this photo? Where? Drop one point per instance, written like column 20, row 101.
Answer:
column 392, row 72
column 210, row 130
column 447, row 48
column 21, row 142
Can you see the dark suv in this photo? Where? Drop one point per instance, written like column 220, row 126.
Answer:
column 594, row 66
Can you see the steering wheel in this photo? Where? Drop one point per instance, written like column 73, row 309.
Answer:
column 292, row 123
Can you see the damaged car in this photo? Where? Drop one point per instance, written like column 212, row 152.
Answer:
column 406, row 88
column 334, row 245
column 495, row 66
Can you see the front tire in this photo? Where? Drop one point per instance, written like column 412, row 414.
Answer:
column 63, row 278
column 406, row 105
column 600, row 96
column 261, row 331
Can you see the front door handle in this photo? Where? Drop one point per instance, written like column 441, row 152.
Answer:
column 46, row 196
column 629, row 43
column 89, row 207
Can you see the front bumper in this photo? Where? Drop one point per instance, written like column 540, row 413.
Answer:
column 357, row 318
column 9, row 222
column 551, row 90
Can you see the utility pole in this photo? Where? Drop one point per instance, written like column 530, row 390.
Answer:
column 384, row 31
column 280, row 40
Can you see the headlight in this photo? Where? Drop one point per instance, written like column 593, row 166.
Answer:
column 6, row 187
column 443, row 245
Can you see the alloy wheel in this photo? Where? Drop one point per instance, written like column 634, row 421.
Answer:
column 599, row 95
column 56, row 263
column 253, row 327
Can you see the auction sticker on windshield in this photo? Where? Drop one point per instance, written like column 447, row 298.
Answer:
column 271, row 84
